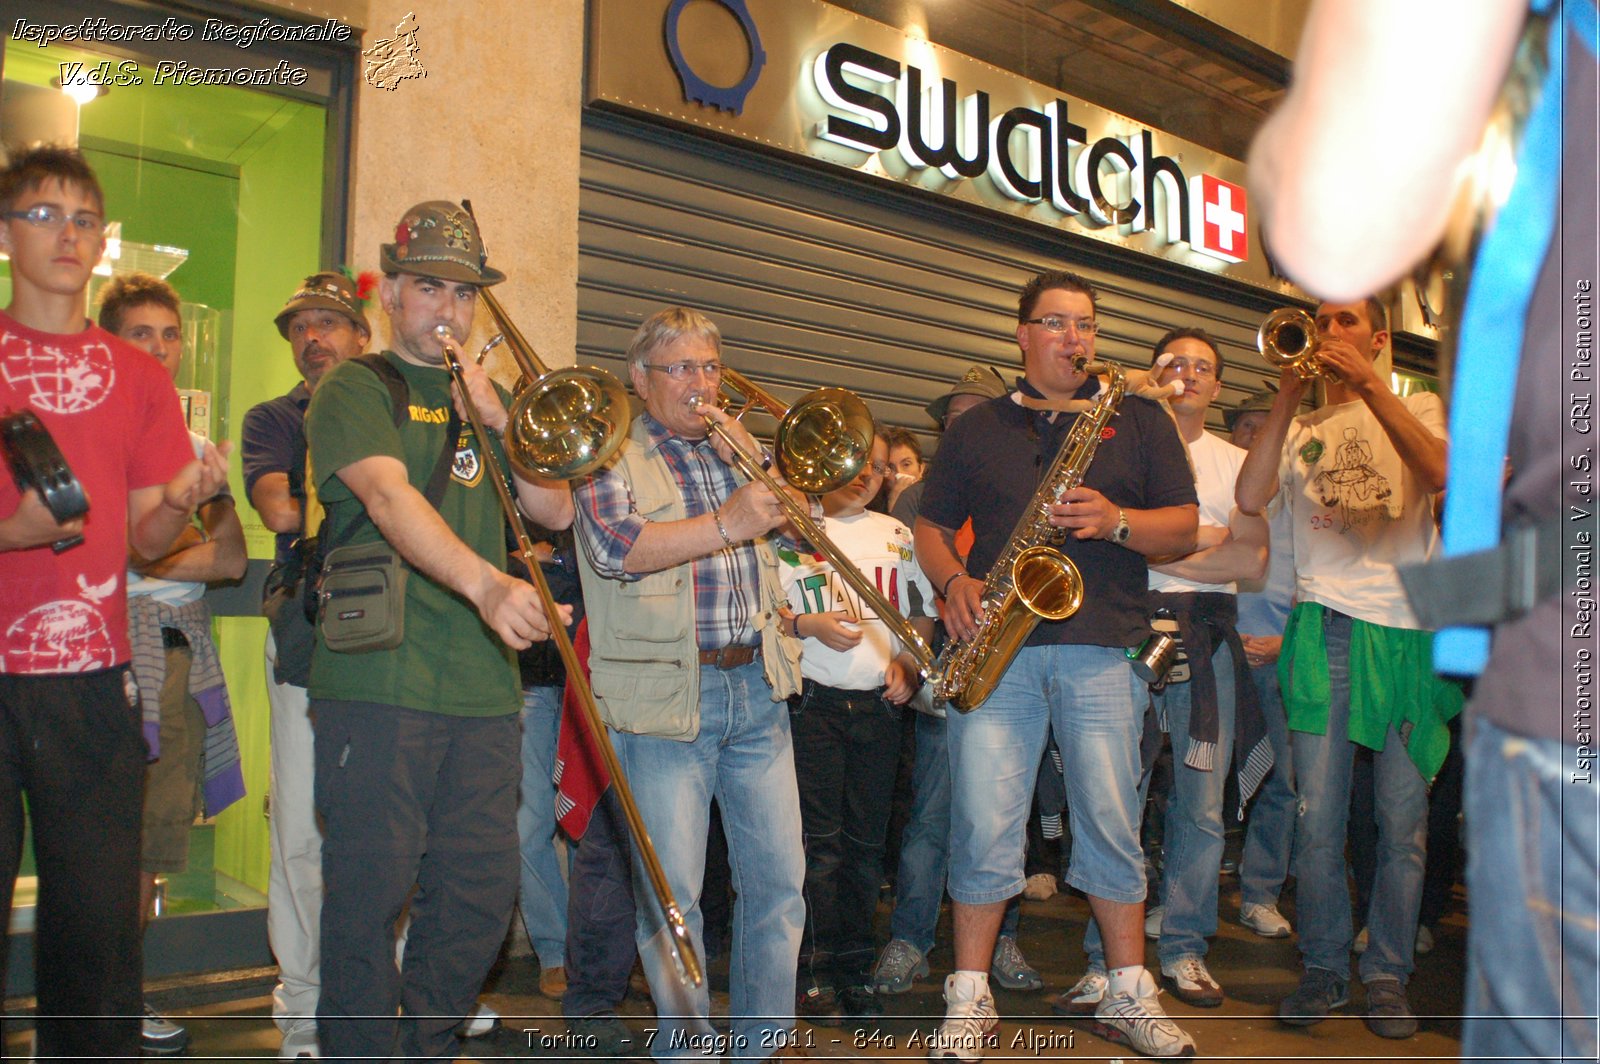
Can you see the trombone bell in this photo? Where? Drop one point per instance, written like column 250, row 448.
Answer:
column 824, row 441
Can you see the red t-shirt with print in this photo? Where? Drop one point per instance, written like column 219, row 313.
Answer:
column 114, row 413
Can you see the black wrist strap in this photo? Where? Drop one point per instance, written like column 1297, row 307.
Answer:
column 944, row 592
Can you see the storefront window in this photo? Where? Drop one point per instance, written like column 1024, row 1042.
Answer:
column 221, row 189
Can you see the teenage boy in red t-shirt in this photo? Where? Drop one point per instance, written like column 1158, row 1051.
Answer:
column 69, row 708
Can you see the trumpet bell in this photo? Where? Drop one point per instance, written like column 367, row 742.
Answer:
column 824, row 441
column 567, row 423
column 1286, row 338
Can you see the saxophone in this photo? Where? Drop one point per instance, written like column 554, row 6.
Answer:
column 1032, row 579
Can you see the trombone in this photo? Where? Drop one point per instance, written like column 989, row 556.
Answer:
column 1288, row 337
column 822, row 442
column 558, row 431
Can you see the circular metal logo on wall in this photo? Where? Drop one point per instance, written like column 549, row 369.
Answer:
column 697, row 89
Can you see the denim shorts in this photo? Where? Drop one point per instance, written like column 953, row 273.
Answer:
column 1091, row 698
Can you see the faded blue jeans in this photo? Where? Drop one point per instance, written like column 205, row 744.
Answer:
column 1269, row 836
column 1194, row 819
column 744, row 757
column 543, row 892
column 1322, row 766
column 925, row 846
column 1533, row 817
column 1095, row 704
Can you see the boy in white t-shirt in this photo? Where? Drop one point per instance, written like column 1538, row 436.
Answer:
column 846, row 727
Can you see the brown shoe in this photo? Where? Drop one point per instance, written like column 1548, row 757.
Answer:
column 1191, row 983
column 553, row 982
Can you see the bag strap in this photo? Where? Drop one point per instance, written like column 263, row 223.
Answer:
column 400, row 400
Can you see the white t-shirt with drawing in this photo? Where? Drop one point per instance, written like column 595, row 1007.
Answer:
column 1358, row 513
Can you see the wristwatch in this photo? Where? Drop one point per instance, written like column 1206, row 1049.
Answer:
column 1120, row 534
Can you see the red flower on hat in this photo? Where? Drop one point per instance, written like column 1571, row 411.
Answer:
column 366, row 284
column 402, row 237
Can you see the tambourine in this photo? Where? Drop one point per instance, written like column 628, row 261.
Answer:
column 37, row 464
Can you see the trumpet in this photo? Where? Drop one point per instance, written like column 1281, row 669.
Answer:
column 822, row 443
column 1288, row 337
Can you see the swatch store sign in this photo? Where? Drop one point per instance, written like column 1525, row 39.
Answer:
column 807, row 77
column 883, row 107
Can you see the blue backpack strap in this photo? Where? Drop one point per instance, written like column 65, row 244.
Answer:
column 1492, row 326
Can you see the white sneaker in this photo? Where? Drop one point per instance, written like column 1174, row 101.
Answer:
column 160, row 1035
column 1137, row 1020
column 1152, row 924
column 1040, row 886
column 479, row 1022
column 968, row 1019
column 300, row 1041
column 1265, row 920
column 1085, row 995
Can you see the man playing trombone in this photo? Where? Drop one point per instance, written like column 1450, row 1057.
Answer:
column 690, row 664
column 418, row 744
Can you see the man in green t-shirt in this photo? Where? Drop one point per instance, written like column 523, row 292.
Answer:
column 418, row 746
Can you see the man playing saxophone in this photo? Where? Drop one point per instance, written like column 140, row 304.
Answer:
column 1137, row 498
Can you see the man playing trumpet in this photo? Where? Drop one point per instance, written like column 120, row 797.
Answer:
column 690, row 665
column 1359, row 475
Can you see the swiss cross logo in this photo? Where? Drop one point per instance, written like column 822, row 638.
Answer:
column 1221, row 218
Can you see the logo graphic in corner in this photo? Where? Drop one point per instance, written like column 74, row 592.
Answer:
column 1221, row 218
column 394, row 59
column 697, row 89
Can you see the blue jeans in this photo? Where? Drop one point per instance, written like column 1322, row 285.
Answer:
column 1095, row 704
column 744, row 757
column 543, row 893
column 1269, row 837
column 1531, row 957
column 925, row 846
column 1194, row 819
column 1322, row 772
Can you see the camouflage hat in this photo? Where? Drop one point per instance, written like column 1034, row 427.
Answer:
column 1255, row 402
column 979, row 379
column 439, row 239
column 328, row 290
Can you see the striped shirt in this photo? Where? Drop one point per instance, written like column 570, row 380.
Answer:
column 727, row 583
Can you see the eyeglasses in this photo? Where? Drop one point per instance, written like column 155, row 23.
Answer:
column 879, row 469
column 47, row 217
column 682, row 371
column 1201, row 369
column 1057, row 324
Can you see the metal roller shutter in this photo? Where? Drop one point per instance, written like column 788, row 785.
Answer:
column 817, row 277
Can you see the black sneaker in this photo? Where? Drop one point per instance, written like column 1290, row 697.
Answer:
column 1319, row 993
column 1389, row 1014
column 818, row 1005
column 603, row 1035
column 859, row 1003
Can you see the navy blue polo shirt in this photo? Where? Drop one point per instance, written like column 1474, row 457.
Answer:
column 989, row 466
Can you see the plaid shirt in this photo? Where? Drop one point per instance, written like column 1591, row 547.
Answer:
column 727, row 583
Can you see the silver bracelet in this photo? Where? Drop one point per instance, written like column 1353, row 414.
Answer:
column 723, row 532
